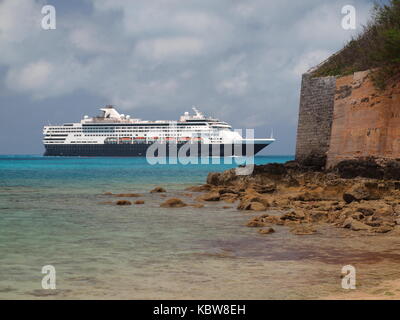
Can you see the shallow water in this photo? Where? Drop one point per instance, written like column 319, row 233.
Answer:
column 52, row 212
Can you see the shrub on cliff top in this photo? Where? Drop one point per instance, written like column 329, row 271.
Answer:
column 376, row 47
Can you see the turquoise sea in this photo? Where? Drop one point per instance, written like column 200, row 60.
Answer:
column 53, row 211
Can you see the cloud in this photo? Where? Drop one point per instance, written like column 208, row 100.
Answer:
column 225, row 56
column 169, row 48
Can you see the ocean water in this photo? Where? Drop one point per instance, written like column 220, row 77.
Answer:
column 53, row 211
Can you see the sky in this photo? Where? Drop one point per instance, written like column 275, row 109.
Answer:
column 237, row 60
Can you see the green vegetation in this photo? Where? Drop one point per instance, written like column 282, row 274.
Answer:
column 377, row 47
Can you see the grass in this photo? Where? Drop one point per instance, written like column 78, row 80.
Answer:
column 377, row 47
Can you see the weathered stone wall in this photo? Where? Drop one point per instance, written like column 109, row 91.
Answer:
column 366, row 122
column 315, row 116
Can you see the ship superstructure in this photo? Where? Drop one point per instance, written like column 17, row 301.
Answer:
column 115, row 134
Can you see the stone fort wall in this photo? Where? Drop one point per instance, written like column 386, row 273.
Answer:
column 348, row 118
column 315, row 116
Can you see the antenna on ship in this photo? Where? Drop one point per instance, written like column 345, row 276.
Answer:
column 272, row 134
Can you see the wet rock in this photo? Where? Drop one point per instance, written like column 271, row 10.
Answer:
column 266, row 231
column 214, row 178
column 229, row 197
column 256, row 224
column 367, row 168
column 106, row 202
column 355, row 225
column 123, row 203
column 365, row 211
column 318, row 216
column 209, row 197
column 197, row 205
column 266, row 189
column 127, row 195
column 158, row 190
column 356, row 193
column 252, row 205
column 256, row 206
column 173, row 203
column 303, row 230
column 292, row 216
column 202, row 188
column 383, row 229
column 392, row 170
column 139, row 202
column 227, row 191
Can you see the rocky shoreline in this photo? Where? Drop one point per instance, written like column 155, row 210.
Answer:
column 359, row 195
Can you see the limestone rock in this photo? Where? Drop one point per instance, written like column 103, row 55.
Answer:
column 210, row 197
column 123, row 203
column 303, row 230
column 173, row 203
column 356, row 193
column 158, row 190
column 266, row 231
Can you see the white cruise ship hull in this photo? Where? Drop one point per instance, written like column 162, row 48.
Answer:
column 140, row 150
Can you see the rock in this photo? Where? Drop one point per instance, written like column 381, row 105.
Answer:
column 197, row 205
column 367, row 168
column 226, row 207
column 107, row 194
column 365, row 211
column 173, row 203
column 213, row 178
column 355, row 225
column 256, row 206
column 384, row 210
column 271, row 169
column 291, row 216
column 209, row 197
column 158, row 190
column 266, row 189
column 256, row 224
column 318, row 216
column 392, row 170
column 123, row 203
column 382, row 229
column 356, row 193
column 229, row 197
column 266, row 231
column 106, row 202
column 203, row 188
column 139, row 202
column 252, row 205
column 127, row 195
column 303, row 230
column 227, row 191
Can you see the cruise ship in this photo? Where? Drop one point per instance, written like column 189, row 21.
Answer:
column 117, row 135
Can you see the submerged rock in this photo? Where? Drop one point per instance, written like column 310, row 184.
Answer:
column 158, row 190
column 303, row 230
column 266, row 231
column 127, row 195
column 173, row 203
column 123, row 203
column 139, row 202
